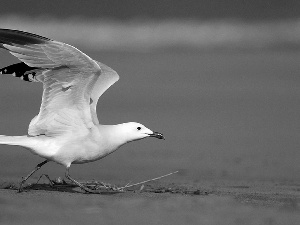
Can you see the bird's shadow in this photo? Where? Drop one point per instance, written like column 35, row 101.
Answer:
column 70, row 188
column 66, row 187
column 58, row 186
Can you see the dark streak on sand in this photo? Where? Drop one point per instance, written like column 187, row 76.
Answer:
column 266, row 194
column 155, row 187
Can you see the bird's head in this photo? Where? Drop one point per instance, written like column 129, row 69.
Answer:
column 135, row 131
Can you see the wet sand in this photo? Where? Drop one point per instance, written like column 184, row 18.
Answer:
column 209, row 202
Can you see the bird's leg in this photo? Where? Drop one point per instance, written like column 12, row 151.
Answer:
column 79, row 184
column 29, row 175
column 50, row 181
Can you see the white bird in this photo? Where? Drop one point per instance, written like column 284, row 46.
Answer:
column 66, row 130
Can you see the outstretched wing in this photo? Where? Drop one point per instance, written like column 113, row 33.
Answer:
column 108, row 77
column 70, row 79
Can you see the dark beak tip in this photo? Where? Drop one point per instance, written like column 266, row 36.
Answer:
column 158, row 135
column 161, row 137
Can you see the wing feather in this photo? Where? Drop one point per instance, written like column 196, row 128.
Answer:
column 70, row 80
column 108, row 77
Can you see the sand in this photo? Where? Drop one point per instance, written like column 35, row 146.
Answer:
column 209, row 202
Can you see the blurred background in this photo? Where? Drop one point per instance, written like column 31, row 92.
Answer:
column 219, row 78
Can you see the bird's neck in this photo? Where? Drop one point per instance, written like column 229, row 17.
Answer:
column 114, row 134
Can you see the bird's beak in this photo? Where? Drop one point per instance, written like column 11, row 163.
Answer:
column 157, row 135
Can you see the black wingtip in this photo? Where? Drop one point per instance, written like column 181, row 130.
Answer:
column 8, row 36
column 21, row 70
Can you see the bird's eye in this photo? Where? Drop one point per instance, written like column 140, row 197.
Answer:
column 138, row 128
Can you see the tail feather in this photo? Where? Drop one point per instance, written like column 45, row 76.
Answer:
column 35, row 145
column 22, row 71
column 14, row 140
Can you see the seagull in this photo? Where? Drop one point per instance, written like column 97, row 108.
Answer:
column 66, row 129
